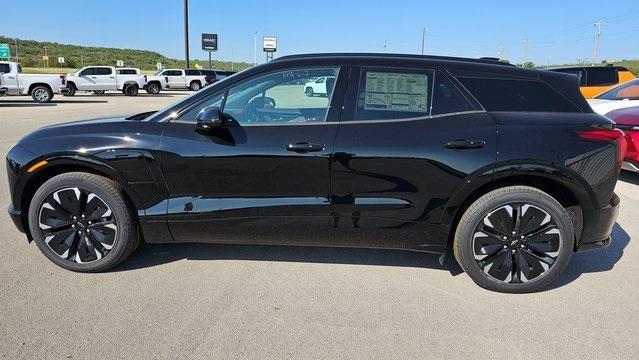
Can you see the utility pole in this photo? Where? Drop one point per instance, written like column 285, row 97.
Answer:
column 525, row 52
column 384, row 45
column 255, row 48
column 186, row 32
column 424, row 29
column 598, row 25
column 46, row 55
column 17, row 57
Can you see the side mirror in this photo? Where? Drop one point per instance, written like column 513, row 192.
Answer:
column 208, row 119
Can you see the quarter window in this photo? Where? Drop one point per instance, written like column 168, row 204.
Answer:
column 516, row 95
column 393, row 94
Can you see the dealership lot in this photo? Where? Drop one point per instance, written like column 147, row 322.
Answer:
column 229, row 301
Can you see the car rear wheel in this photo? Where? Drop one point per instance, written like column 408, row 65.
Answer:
column 131, row 90
column 41, row 94
column 82, row 222
column 515, row 239
column 195, row 86
column 309, row 91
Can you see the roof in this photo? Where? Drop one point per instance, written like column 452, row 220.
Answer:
column 616, row 67
column 492, row 61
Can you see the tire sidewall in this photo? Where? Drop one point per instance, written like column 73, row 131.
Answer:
column 125, row 229
column 131, row 90
column 195, row 86
column 154, row 89
column 49, row 96
column 538, row 199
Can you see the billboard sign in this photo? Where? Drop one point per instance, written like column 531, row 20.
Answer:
column 209, row 42
column 270, row 44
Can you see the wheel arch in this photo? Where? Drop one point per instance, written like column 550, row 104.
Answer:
column 57, row 166
column 34, row 85
column 566, row 189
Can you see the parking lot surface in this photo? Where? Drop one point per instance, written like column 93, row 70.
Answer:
column 231, row 301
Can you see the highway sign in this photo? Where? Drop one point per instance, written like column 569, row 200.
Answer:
column 5, row 51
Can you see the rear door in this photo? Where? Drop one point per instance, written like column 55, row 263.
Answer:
column 176, row 79
column 104, row 79
column 408, row 138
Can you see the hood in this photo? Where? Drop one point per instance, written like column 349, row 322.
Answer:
column 628, row 116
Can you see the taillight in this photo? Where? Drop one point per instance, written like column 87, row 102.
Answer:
column 609, row 136
column 145, row 78
column 63, row 79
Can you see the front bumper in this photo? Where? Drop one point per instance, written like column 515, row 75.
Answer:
column 16, row 217
column 598, row 225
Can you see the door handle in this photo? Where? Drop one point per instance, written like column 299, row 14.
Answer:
column 302, row 147
column 465, row 144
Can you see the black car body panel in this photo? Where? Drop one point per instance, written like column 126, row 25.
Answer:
column 378, row 183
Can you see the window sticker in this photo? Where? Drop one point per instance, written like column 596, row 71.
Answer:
column 396, row 92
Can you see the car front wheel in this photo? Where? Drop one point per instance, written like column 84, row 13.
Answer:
column 82, row 222
column 514, row 239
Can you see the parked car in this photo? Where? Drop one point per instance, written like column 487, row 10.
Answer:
column 627, row 119
column 41, row 88
column 100, row 79
column 622, row 96
column 594, row 80
column 507, row 166
column 319, row 86
column 191, row 79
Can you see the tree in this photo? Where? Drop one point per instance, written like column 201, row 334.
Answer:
column 529, row 65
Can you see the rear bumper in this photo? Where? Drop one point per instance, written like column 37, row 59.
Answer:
column 3, row 91
column 598, row 225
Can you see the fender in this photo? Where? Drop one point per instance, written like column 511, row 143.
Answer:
column 552, row 172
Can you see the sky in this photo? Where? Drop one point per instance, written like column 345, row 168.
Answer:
column 559, row 31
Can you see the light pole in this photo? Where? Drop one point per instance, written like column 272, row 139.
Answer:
column 186, row 32
column 255, row 48
column 424, row 38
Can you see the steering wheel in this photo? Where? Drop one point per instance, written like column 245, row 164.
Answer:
column 256, row 104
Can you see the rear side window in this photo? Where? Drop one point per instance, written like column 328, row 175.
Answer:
column 5, row 68
column 102, row 71
column 516, row 95
column 447, row 98
column 192, row 72
column 602, row 77
column 126, row 72
column 393, row 94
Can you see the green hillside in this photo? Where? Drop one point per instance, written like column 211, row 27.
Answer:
column 31, row 52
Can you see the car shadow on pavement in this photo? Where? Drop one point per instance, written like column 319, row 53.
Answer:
column 25, row 104
column 149, row 255
column 597, row 260
column 629, row 177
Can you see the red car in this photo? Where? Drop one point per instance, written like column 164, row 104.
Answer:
column 628, row 120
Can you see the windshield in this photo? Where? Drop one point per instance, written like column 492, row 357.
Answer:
column 159, row 72
column 629, row 90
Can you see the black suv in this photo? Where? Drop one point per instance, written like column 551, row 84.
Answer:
column 508, row 168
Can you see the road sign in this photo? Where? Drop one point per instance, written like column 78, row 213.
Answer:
column 270, row 44
column 60, row 60
column 119, row 63
column 5, row 51
column 209, row 42
column 45, row 58
column 158, row 66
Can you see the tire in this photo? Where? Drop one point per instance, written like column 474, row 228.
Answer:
column 107, row 233
column 99, row 92
column 153, row 88
column 495, row 252
column 41, row 94
column 72, row 90
column 309, row 91
column 195, row 86
column 131, row 90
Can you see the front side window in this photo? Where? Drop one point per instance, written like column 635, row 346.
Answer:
column 191, row 114
column 281, row 98
column 393, row 94
column 516, row 95
column 629, row 90
column 89, row 71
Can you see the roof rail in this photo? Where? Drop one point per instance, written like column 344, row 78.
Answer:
column 484, row 60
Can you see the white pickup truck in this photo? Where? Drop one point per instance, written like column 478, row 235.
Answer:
column 100, row 79
column 40, row 87
column 178, row 79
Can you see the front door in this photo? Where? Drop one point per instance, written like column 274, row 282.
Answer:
column 264, row 176
column 407, row 140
